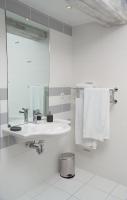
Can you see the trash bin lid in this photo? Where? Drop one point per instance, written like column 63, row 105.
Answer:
column 67, row 155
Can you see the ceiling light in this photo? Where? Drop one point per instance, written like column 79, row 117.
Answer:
column 68, row 7
column 17, row 42
column 27, row 19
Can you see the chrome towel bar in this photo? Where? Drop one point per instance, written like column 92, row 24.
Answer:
column 112, row 94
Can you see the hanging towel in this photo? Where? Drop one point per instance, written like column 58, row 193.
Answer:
column 79, row 119
column 87, row 144
column 92, row 117
column 96, row 116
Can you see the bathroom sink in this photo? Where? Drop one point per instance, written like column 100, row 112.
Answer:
column 41, row 130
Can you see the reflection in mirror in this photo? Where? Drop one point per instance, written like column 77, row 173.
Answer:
column 28, row 68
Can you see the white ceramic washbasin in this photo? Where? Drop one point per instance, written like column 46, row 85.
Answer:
column 41, row 130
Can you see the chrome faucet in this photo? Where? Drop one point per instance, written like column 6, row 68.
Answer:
column 36, row 113
column 25, row 112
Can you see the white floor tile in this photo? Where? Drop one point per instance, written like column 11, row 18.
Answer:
column 52, row 180
column 69, row 185
column 120, row 192
column 89, row 193
column 112, row 198
column 38, row 190
column 24, row 198
column 102, row 184
column 84, row 186
column 83, row 175
column 53, row 194
column 73, row 198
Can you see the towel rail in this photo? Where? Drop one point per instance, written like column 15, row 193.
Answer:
column 113, row 100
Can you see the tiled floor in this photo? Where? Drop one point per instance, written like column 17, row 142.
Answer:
column 84, row 186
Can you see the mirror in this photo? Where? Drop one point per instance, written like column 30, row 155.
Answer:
column 28, row 68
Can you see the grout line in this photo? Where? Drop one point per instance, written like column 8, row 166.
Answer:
column 100, row 188
column 52, row 185
column 74, row 197
column 84, row 184
column 110, row 193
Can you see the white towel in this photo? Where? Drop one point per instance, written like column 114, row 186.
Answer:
column 92, row 117
column 96, row 113
column 79, row 119
column 87, row 144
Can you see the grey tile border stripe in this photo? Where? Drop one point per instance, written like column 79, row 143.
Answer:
column 39, row 17
column 3, row 118
column 35, row 15
column 56, row 91
column 67, row 29
column 55, row 24
column 7, row 141
column 18, row 8
column 3, row 93
column 60, row 108
column 2, row 3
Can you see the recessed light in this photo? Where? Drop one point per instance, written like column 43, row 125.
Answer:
column 17, row 42
column 68, row 7
column 29, row 61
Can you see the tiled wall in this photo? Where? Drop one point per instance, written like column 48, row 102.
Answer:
column 59, row 99
column 3, row 106
column 39, row 17
column 5, row 140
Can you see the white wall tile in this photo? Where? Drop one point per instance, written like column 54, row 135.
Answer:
column 3, row 106
column 62, row 99
column 61, row 59
column 63, row 115
column 2, row 127
column 3, row 54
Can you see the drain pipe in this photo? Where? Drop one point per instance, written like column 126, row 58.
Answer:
column 38, row 146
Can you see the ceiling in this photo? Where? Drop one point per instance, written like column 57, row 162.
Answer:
column 58, row 10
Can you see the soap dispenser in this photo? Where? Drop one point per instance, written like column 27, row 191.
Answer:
column 49, row 117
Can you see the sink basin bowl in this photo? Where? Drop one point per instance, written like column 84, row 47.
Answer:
column 41, row 130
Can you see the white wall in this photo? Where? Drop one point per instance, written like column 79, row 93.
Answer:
column 3, row 63
column 60, row 68
column 3, row 57
column 61, row 59
column 100, row 56
column 20, row 168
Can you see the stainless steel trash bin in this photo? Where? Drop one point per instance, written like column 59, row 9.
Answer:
column 67, row 165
